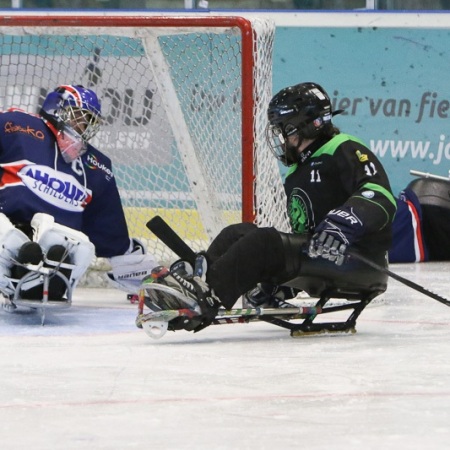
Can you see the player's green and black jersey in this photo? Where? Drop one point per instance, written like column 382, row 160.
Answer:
column 342, row 172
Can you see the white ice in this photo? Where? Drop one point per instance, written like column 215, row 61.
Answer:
column 89, row 379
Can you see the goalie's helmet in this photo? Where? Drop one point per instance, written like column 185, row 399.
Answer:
column 75, row 114
column 303, row 109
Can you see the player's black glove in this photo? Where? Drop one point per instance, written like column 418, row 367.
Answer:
column 340, row 228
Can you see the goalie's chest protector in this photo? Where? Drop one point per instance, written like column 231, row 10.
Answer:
column 35, row 178
column 315, row 187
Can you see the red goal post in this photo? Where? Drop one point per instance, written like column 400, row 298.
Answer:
column 184, row 101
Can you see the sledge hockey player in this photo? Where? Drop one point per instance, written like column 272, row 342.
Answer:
column 60, row 205
column 338, row 198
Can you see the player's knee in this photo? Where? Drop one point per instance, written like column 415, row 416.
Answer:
column 226, row 238
column 11, row 240
column 293, row 246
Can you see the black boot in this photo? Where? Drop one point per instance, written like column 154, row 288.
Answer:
column 266, row 295
column 57, row 286
column 29, row 253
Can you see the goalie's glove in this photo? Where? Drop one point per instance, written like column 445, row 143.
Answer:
column 340, row 229
column 129, row 269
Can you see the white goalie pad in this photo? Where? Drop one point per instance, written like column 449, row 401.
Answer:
column 11, row 239
column 129, row 269
column 81, row 251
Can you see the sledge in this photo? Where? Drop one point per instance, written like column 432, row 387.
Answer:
column 299, row 320
column 40, row 275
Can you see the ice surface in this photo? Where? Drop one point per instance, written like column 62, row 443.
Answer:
column 89, row 379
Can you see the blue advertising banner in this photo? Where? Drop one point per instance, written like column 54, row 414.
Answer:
column 391, row 80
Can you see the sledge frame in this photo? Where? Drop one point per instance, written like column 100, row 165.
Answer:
column 282, row 317
column 44, row 304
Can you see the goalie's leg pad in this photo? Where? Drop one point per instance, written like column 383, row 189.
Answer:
column 80, row 249
column 11, row 240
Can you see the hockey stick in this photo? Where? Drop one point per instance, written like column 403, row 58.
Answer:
column 164, row 231
column 399, row 278
column 429, row 175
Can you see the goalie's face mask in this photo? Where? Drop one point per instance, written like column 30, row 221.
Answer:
column 74, row 113
column 82, row 121
column 70, row 143
column 77, row 128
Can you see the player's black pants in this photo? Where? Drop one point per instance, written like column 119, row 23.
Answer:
column 243, row 255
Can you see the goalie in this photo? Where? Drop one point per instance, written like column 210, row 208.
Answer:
column 60, row 204
column 339, row 197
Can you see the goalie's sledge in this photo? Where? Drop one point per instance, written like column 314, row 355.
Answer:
column 40, row 275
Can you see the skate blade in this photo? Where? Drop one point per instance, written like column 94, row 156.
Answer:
column 36, row 304
column 300, row 333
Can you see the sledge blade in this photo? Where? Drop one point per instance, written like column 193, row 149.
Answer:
column 311, row 329
column 299, row 333
column 37, row 304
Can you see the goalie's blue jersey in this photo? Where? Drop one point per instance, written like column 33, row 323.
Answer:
column 34, row 178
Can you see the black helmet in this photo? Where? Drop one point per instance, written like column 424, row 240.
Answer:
column 303, row 109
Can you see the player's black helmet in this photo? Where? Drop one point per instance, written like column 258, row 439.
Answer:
column 303, row 109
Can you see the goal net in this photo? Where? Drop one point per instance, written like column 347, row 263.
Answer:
column 184, row 102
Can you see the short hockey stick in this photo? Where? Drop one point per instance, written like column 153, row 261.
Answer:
column 164, row 231
column 399, row 278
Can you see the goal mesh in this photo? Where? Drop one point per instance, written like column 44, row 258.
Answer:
column 184, row 102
